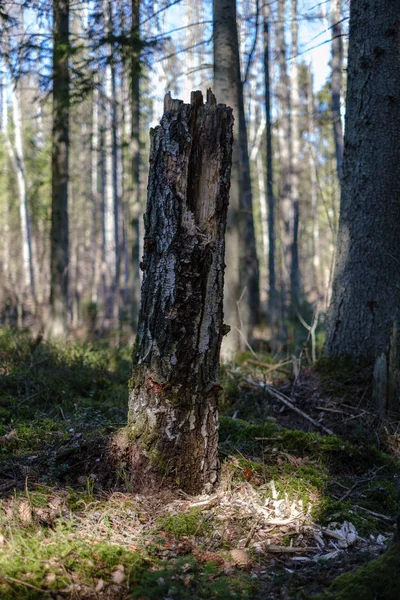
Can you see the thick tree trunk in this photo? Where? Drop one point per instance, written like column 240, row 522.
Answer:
column 337, row 65
column 241, row 259
column 365, row 308
column 59, row 212
column 173, row 412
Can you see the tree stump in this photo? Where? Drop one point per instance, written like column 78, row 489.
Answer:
column 173, row 402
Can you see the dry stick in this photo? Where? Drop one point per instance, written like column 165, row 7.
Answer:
column 19, row 582
column 332, row 410
column 375, row 514
column 268, row 367
column 290, row 549
column 285, row 400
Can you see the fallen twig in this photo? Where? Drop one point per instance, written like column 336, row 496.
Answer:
column 375, row 514
column 332, row 410
column 268, row 367
column 285, row 400
column 290, row 549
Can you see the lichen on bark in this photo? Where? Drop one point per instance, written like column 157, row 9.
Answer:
column 173, row 412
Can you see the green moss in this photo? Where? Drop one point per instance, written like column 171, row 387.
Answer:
column 54, row 559
column 237, row 430
column 185, row 578
column 377, row 580
column 183, row 524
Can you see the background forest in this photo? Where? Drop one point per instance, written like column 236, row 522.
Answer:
column 122, row 58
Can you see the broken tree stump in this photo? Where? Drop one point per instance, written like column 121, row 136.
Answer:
column 173, row 402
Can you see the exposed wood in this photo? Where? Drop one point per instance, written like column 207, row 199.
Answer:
column 173, row 412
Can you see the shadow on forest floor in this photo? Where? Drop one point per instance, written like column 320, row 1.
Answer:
column 294, row 510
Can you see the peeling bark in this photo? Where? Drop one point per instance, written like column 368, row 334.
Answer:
column 173, row 412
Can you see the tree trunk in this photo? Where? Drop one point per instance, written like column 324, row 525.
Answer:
column 135, row 208
column 317, row 279
column 337, row 65
column 272, row 304
column 365, row 308
column 111, row 225
column 295, row 166
column 173, row 412
column 59, row 211
column 241, row 259
column 285, row 205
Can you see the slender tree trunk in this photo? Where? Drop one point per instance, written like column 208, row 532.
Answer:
column 173, row 412
column 272, row 299
column 95, row 195
column 295, row 164
column 5, row 212
column 59, row 216
column 135, row 207
column 364, row 315
column 241, row 303
column 337, row 66
column 16, row 156
column 318, row 280
column 284, row 134
column 110, row 167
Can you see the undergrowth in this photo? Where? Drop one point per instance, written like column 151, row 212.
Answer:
column 71, row 527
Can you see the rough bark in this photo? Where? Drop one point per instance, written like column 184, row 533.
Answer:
column 173, row 413
column 365, row 305
column 241, row 259
column 336, row 83
column 59, row 211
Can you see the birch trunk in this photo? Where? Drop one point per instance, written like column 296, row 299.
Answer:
column 110, row 192
column 16, row 156
column 173, row 412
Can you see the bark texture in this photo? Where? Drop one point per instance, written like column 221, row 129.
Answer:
column 365, row 307
column 173, row 413
column 59, row 210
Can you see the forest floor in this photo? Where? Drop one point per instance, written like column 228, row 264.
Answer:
column 295, row 508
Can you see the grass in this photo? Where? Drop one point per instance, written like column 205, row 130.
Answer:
column 71, row 525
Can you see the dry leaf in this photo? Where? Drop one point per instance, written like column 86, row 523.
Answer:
column 100, row 585
column 25, row 511
column 240, row 558
column 50, row 578
column 118, row 576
